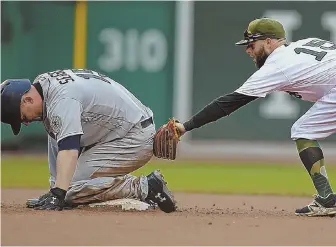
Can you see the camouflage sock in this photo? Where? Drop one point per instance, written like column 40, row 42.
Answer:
column 312, row 158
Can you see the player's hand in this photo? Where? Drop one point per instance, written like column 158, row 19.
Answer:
column 55, row 200
column 181, row 128
column 35, row 202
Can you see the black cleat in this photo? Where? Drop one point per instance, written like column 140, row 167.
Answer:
column 319, row 207
column 159, row 194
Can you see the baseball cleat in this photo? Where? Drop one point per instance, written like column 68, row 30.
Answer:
column 318, row 208
column 159, row 194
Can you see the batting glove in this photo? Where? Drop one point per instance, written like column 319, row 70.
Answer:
column 55, row 200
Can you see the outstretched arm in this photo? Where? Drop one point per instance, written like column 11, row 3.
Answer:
column 220, row 107
column 166, row 137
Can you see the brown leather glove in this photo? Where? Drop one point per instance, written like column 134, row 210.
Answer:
column 166, row 139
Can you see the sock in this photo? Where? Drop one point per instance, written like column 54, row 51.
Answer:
column 312, row 158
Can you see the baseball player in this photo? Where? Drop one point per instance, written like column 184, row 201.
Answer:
column 98, row 133
column 305, row 69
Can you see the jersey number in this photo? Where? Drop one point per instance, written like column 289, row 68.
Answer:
column 322, row 44
column 88, row 74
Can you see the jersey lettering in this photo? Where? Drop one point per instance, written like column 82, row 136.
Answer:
column 61, row 76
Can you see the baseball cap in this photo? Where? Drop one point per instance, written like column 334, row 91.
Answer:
column 263, row 28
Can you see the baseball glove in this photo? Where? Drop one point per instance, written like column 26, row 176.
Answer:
column 166, row 139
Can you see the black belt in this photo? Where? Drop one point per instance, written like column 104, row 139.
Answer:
column 146, row 123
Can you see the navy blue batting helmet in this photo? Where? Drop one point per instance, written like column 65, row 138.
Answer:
column 12, row 91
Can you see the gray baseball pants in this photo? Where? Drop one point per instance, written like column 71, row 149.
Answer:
column 103, row 171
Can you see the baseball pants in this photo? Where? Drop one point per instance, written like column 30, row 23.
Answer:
column 102, row 172
column 319, row 121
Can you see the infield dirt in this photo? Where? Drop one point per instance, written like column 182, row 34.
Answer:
column 201, row 219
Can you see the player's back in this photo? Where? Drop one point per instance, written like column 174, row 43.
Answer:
column 95, row 90
column 309, row 65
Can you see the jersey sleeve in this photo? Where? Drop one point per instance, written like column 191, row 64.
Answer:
column 266, row 80
column 65, row 118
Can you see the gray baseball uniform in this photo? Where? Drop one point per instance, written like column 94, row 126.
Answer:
column 116, row 133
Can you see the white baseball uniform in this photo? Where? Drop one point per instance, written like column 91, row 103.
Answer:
column 116, row 133
column 305, row 69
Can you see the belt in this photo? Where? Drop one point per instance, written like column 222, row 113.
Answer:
column 146, row 123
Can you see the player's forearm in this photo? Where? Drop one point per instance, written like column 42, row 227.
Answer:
column 66, row 165
column 220, row 107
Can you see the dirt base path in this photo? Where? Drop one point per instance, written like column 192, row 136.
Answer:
column 200, row 220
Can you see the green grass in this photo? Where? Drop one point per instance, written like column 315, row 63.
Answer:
column 201, row 177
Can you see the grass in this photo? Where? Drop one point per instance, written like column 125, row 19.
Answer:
column 200, row 177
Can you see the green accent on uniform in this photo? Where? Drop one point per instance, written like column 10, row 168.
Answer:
column 302, row 144
column 322, row 185
column 312, row 158
column 316, row 167
column 267, row 26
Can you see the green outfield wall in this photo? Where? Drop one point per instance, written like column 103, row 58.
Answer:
column 132, row 42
